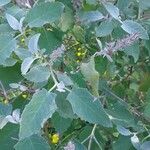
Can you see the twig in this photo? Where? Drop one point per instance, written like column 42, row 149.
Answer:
column 67, row 89
column 53, row 76
column 13, row 138
column 4, row 91
column 97, row 143
column 91, row 137
column 55, row 81
column 85, row 139
column 53, row 87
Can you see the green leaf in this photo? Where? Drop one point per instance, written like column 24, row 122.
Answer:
column 133, row 27
column 44, row 13
column 86, row 108
column 123, row 143
column 90, row 16
column 64, row 78
column 79, row 146
column 145, row 82
column 122, row 5
column 104, row 29
column 13, row 22
column 113, row 10
column 38, row 74
column 147, row 45
column 50, row 40
column 79, row 33
column 144, row 4
column 16, row 11
column 147, row 106
column 64, row 107
column 148, row 96
column 121, row 116
column 34, row 142
column 40, row 108
column 91, row 75
column 8, row 135
column 33, row 43
column 4, row 2
column 7, row 46
column 145, row 146
column 60, row 123
column 123, row 131
column 133, row 50
column 4, row 111
column 5, row 29
column 26, row 64
column 78, row 79
column 22, row 53
column 10, row 75
column 20, row 102
column 9, row 62
column 67, row 19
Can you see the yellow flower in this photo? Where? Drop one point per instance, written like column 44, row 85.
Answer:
column 24, row 96
column 5, row 101
column 22, row 40
column 55, row 138
column 79, row 54
column 79, row 49
column 83, row 54
column 49, row 29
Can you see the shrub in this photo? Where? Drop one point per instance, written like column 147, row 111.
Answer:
column 74, row 75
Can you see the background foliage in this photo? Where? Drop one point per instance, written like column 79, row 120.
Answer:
column 75, row 75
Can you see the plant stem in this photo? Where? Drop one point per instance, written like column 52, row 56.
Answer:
column 97, row 143
column 92, row 136
column 52, row 88
column 4, row 91
column 55, row 81
column 53, row 76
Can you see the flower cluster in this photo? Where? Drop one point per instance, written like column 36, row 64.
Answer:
column 117, row 45
column 76, row 6
column 57, row 53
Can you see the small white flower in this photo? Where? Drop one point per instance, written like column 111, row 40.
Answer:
column 135, row 141
column 69, row 146
column 95, row 99
column 111, row 117
column 23, row 88
column 60, row 87
column 15, row 117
